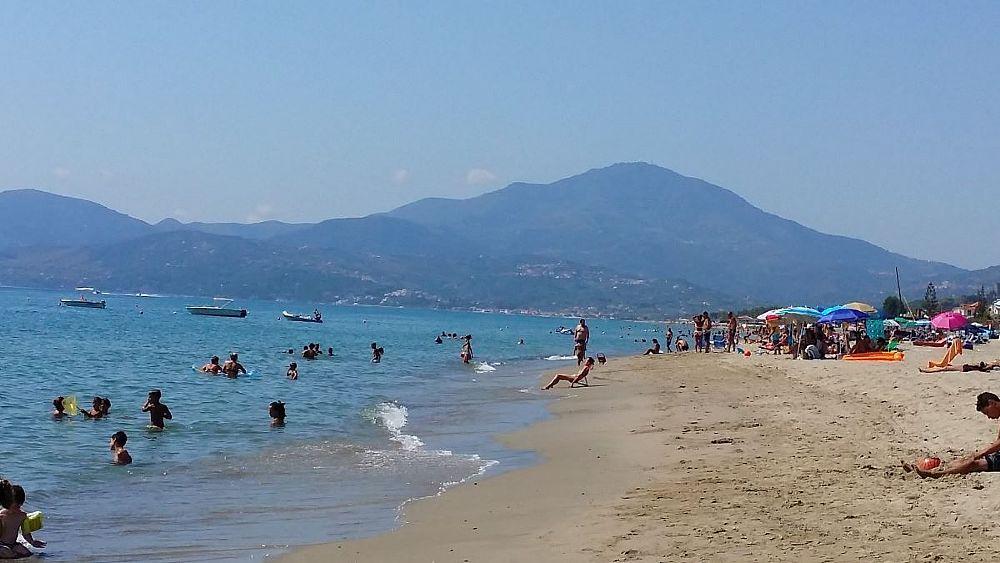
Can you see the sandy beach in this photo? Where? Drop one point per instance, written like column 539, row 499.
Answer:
column 724, row 458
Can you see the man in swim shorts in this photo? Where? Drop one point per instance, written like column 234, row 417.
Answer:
column 157, row 410
column 581, row 335
column 986, row 459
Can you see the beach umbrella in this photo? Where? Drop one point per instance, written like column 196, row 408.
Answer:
column 799, row 314
column 829, row 310
column 843, row 316
column 769, row 315
column 863, row 307
column 949, row 321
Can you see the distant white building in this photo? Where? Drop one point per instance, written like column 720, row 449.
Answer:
column 995, row 309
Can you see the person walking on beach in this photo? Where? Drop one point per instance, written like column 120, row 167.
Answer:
column 986, row 459
column 698, row 328
column 157, row 410
column 233, row 368
column 668, row 339
column 581, row 336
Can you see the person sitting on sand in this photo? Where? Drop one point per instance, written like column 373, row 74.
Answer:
column 12, row 497
column 212, row 366
column 233, row 368
column 157, row 410
column 654, row 350
column 986, row 459
column 573, row 379
column 863, row 345
column 293, row 371
column 682, row 345
column 276, row 410
column 119, row 455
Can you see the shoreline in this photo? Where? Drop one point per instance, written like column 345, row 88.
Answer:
column 695, row 457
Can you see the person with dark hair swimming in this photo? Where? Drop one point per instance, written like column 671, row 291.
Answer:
column 377, row 352
column 212, row 366
column 233, row 368
column 276, row 410
column 119, row 455
column 985, row 459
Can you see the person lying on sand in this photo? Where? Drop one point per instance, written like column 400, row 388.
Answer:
column 981, row 366
column 573, row 379
column 986, row 459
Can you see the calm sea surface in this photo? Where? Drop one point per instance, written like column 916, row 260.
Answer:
column 220, row 483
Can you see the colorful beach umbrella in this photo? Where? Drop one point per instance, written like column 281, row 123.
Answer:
column 858, row 306
column 843, row 316
column 949, row 321
column 769, row 315
column 800, row 314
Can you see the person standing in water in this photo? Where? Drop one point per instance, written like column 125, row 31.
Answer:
column 377, row 352
column 466, row 354
column 157, row 410
column 119, row 455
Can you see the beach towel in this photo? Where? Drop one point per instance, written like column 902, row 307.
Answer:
column 876, row 357
column 953, row 352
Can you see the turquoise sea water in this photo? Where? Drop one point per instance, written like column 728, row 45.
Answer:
column 222, row 484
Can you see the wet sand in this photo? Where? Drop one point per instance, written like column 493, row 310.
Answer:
column 724, row 458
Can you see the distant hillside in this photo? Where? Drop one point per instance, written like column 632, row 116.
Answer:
column 37, row 218
column 254, row 231
column 651, row 221
column 629, row 240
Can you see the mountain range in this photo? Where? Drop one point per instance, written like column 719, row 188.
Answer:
column 631, row 239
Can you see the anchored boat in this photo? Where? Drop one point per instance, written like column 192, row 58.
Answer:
column 217, row 310
column 83, row 301
column 302, row 318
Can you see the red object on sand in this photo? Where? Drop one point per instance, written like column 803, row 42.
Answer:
column 747, row 353
column 929, row 463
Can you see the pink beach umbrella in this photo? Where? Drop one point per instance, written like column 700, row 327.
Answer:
column 949, row 321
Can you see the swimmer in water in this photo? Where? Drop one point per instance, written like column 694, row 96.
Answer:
column 119, row 455
column 329, row 351
column 97, row 409
column 157, row 410
column 293, row 371
column 59, row 411
column 277, row 413
column 377, row 352
column 212, row 366
column 233, row 368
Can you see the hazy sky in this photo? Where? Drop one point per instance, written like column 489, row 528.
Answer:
column 875, row 120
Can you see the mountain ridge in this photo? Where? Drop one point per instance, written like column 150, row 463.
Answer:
column 628, row 225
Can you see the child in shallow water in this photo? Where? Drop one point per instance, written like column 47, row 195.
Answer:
column 119, row 455
column 12, row 497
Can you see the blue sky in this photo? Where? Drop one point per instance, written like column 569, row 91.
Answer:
column 876, row 121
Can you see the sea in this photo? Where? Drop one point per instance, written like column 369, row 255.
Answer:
column 221, row 483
